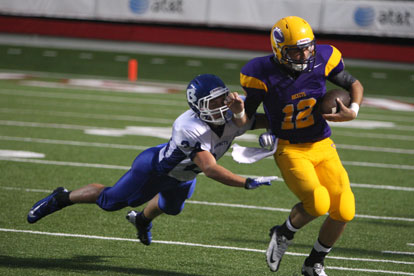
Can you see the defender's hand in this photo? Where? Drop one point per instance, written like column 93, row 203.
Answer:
column 253, row 183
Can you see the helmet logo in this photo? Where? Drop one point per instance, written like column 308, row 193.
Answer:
column 278, row 35
column 303, row 41
column 191, row 95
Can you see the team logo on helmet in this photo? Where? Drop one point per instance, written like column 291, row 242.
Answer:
column 303, row 41
column 278, row 35
column 191, row 95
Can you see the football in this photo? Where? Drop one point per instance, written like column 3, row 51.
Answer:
column 328, row 104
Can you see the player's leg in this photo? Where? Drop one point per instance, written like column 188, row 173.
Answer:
column 142, row 220
column 297, row 167
column 49, row 205
column 86, row 194
column 170, row 201
column 333, row 176
column 61, row 198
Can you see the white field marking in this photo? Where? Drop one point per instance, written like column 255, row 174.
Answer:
column 20, row 154
column 72, row 143
column 14, row 51
column 91, row 97
column 168, row 121
column 121, row 58
column 231, row 205
column 101, row 85
column 79, row 143
column 88, row 115
column 105, row 108
column 378, row 165
column 116, row 86
column 379, row 75
column 231, row 66
column 195, row 245
column 283, row 210
column 139, row 148
column 12, row 76
column 26, row 190
column 193, row 63
column 383, row 187
column 375, row 149
column 165, row 133
column 158, row 61
column 384, row 218
column 49, row 53
column 410, row 244
column 397, row 252
column 388, row 104
column 63, row 163
column 369, row 270
column 377, row 117
column 86, row 56
column 374, row 135
column 363, row 124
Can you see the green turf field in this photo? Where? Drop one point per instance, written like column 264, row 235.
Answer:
column 222, row 230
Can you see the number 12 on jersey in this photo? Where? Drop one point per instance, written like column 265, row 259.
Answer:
column 303, row 118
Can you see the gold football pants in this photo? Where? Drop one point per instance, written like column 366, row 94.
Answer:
column 314, row 173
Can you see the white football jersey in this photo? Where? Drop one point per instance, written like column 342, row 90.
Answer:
column 189, row 136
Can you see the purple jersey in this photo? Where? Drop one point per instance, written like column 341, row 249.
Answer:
column 290, row 103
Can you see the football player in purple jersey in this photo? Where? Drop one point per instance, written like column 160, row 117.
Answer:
column 290, row 83
column 165, row 175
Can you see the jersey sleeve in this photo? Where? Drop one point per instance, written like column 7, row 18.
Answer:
column 188, row 141
column 334, row 63
column 254, row 87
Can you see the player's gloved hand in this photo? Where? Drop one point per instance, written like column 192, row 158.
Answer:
column 253, row 183
column 267, row 140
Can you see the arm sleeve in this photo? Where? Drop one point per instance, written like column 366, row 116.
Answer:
column 342, row 79
column 253, row 99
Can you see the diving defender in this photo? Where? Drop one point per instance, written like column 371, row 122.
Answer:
column 165, row 175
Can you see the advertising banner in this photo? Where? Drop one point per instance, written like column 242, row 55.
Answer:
column 350, row 17
column 174, row 11
column 380, row 18
column 261, row 14
column 49, row 8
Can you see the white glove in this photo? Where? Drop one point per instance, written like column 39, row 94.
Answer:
column 253, row 183
column 267, row 140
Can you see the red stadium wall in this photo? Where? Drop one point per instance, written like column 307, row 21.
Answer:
column 189, row 36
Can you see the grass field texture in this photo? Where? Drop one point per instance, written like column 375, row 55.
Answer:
column 222, row 230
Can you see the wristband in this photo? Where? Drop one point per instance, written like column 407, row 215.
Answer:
column 355, row 108
column 239, row 115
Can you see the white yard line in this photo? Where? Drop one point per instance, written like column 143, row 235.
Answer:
column 220, row 247
column 376, row 271
column 398, row 253
column 356, row 134
column 79, row 127
column 219, row 204
column 140, row 148
column 88, row 115
column 91, row 97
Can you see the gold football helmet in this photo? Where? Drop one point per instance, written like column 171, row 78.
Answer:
column 293, row 43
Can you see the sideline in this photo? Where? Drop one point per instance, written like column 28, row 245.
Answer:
column 173, row 50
